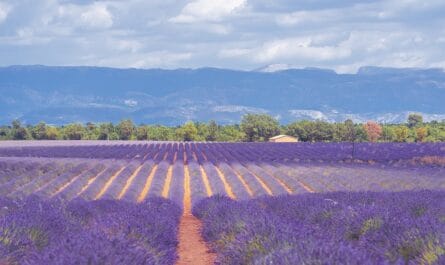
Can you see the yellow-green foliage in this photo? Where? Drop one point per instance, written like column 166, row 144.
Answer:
column 6, row 236
column 368, row 225
column 228, row 238
column 255, row 247
column 433, row 250
column 424, row 251
column 371, row 224
column 37, row 236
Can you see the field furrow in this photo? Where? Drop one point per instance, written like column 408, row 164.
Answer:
column 147, row 185
column 119, row 183
column 94, row 186
column 256, row 185
column 217, row 184
column 134, row 187
column 68, row 176
column 157, row 185
column 81, row 183
column 188, row 172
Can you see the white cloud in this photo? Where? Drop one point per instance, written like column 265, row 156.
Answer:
column 301, row 17
column 231, row 53
column 27, row 36
column 271, row 68
column 238, row 34
column 130, row 103
column 237, row 108
column 404, row 59
column 127, row 45
column 218, row 29
column 155, row 59
column 399, row 8
column 440, row 64
column 94, row 16
column 164, row 58
column 4, row 11
column 298, row 48
column 308, row 114
column 97, row 16
column 208, row 10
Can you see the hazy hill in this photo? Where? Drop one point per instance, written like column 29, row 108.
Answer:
column 68, row 94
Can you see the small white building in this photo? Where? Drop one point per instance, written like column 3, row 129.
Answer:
column 283, row 139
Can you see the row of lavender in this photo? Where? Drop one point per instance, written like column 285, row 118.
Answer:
column 331, row 228
column 127, row 180
column 35, row 231
column 241, row 152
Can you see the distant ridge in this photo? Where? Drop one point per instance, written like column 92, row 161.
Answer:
column 66, row 94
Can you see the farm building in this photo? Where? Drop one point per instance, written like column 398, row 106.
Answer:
column 283, row 139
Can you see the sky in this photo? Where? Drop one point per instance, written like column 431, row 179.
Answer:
column 342, row 35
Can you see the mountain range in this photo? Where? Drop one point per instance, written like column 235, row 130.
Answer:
column 60, row 95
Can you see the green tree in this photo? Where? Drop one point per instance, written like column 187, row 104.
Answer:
column 435, row 134
column 259, row 127
column 106, row 130
column 339, row 132
column 92, row 131
column 401, row 133
column 142, row 133
column 52, row 133
column 350, row 133
column 160, row 133
column 203, row 131
column 230, row 133
column 415, row 120
column 187, row 132
column 320, row 131
column 125, row 129
column 39, row 132
column 212, row 131
column 388, row 134
column 74, row 131
column 421, row 134
column 312, row 131
column 18, row 132
column 344, row 132
column 4, row 133
column 360, row 133
column 298, row 130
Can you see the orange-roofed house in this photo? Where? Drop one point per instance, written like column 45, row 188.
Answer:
column 283, row 139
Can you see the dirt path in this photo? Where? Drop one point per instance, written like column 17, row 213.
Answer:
column 192, row 248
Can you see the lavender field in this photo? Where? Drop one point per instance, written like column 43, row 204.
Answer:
column 310, row 202
column 36, row 231
column 333, row 228
column 137, row 171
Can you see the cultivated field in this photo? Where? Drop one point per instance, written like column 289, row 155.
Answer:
column 188, row 172
column 98, row 202
column 327, row 228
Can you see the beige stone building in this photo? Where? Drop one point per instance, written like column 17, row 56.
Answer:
column 283, row 139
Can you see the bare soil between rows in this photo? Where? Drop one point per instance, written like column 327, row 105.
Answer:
column 192, row 249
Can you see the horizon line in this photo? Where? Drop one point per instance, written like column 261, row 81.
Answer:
column 256, row 70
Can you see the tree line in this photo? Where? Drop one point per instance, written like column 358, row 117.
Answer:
column 252, row 128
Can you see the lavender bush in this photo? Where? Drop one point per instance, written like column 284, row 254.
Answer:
column 332, row 228
column 35, row 231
